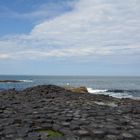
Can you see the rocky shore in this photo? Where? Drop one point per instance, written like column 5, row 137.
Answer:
column 9, row 81
column 50, row 112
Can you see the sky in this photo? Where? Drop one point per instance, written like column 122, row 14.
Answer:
column 70, row 37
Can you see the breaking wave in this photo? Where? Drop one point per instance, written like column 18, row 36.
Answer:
column 117, row 93
column 26, row 81
column 90, row 90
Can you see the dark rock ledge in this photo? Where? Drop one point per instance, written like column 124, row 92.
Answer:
column 9, row 81
column 54, row 113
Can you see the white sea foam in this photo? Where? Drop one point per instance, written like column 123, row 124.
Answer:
column 113, row 94
column 27, row 81
column 119, row 95
column 91, row 90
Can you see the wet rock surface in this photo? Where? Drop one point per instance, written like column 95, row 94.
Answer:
column 28, row 114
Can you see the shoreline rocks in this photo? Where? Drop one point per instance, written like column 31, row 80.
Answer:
column 33, row 113
column 9, row 81
column 77, row 89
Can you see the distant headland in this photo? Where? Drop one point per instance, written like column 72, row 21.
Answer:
column 9, row 81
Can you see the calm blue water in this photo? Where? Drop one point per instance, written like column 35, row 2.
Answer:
column 114, row 86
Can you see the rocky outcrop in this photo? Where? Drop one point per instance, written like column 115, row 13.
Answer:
column 45, row 89
column 77, row 89
column 9, row 81
column 53, row 113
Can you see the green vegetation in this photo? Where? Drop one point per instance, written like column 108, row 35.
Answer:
column 50, row 133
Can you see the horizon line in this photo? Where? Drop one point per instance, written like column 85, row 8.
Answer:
column 69, row 75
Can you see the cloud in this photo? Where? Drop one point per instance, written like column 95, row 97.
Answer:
column 94, row 28
column 4, row 56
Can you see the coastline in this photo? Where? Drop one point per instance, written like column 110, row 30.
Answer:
column 34, row 111
column 120, row 87
column 9, row 81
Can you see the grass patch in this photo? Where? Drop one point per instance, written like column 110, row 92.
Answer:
column 50, row 133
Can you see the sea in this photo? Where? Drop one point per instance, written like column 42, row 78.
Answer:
column 115, row 86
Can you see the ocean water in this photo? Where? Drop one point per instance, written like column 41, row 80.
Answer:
column 120, row 87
